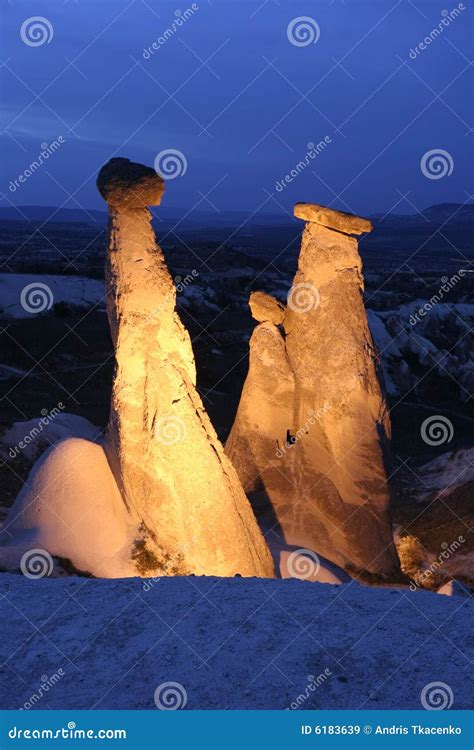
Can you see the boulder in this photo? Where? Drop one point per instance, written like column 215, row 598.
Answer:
column 70, row 509
column 264, row 308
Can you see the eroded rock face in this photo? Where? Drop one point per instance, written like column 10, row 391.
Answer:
column 327, row 479
column 172, row 471
column 264, row 415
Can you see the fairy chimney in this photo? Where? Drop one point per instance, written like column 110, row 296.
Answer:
column 312, row 425
column 170, row 467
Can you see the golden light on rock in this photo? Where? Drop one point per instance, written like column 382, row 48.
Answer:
column 171, row 469
column 312, row 424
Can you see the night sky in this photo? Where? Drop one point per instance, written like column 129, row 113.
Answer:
column 230, row 90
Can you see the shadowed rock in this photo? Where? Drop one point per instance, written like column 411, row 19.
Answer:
column 125, row 184
column 320, row 453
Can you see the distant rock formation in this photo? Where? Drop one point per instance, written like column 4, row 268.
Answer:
column 312, row 427
column 163, row 499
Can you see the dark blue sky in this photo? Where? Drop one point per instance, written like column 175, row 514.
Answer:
column 231, row 92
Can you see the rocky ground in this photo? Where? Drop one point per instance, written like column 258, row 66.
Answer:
column 181, row 639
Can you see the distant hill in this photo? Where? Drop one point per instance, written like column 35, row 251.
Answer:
column 40, row 214
column 164, row 215
column 167, row 217
column 443, row 211
column 455, row 213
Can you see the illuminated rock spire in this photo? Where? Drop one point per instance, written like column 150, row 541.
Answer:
column 171, row 469
column 312, row 425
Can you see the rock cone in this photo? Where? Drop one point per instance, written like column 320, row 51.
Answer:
column 161, row 497
column 312, row 425
column 170, row 466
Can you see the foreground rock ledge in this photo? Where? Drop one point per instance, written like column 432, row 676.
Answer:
column 312, row 428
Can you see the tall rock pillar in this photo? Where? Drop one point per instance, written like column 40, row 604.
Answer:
column 169, row 464
column 325, row 472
